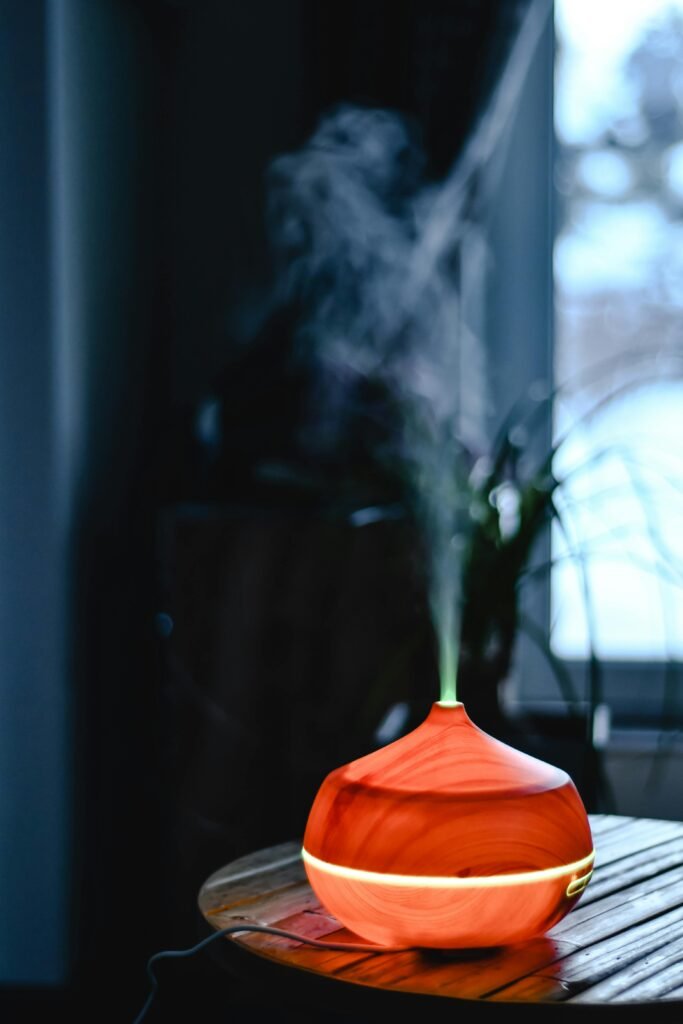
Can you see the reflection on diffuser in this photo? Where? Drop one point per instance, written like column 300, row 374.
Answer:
column 448, row 838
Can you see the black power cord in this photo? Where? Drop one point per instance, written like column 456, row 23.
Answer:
column 233, row 929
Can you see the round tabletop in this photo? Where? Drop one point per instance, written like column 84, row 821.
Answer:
column 622, row 944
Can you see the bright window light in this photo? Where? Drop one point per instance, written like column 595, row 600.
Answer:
column 617, row 580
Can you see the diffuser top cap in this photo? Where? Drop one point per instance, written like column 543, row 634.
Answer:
column 449, row 755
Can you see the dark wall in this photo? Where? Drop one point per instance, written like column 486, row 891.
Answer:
column 233, row 96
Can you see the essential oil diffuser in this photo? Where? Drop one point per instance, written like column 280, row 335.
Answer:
column 448, row 838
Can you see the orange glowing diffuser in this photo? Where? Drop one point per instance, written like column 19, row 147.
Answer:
column 448, row 838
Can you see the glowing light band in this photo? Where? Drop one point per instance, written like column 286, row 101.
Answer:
column 455, row 881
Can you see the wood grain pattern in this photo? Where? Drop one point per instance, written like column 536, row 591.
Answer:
column 622, row 944
column 448, row 801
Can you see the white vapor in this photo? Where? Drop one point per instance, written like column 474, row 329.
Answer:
column 376, row 260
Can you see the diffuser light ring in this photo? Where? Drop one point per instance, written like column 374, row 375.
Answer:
column 578, row 871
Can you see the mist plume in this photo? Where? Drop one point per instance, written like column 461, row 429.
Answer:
column 371, row 256
column 378, row 264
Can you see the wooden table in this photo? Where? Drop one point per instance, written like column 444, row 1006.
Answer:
column 620, row 948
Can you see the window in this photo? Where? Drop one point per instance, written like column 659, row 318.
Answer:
column 588, row 294
column 618, row 275
column 618, row 322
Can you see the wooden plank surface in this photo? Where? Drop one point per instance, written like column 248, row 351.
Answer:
column 622, row 943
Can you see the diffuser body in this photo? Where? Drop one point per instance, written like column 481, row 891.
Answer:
column 448, row 838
